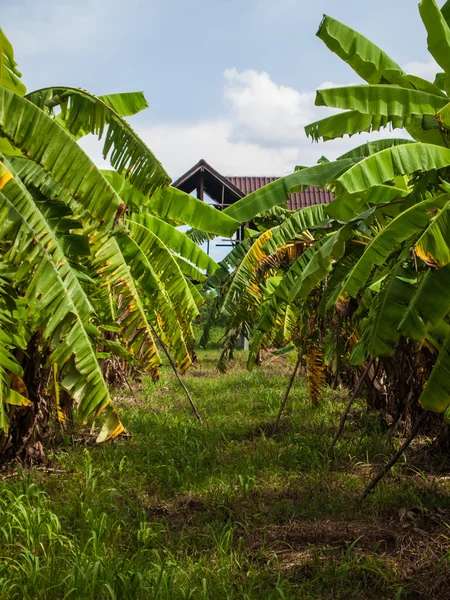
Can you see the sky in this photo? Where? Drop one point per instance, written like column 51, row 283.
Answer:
column 230, row 81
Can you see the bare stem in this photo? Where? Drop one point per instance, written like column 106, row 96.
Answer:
column 177, row 374
column 394, row 459
column 291, row 381
column 344, row 415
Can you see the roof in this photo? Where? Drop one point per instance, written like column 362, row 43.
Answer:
column 227, row 190
column 213, row 183
column 309, row 197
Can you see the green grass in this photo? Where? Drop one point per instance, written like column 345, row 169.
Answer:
column 224, row 510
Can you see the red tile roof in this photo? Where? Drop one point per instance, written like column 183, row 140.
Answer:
column 309, row 197
column 227, row 190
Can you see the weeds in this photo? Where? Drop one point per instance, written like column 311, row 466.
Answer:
column 224, row 510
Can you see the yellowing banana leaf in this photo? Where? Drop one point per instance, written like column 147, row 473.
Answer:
column 302, row 220
column 16, row 399
column 133, row 317
column 433, row 246
column 112, row 427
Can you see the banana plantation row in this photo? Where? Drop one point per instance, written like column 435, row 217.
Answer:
column 95, row 273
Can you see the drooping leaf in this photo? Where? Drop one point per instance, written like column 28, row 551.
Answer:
column 370, row 148
column 57, row 303
column 177, row 241
column 185, row 209
column 321, row 263
column 277, row 192
column 56, row 151
column 384, row 100
column 84, row 113
column 392, row 162
column 430, row 304
column 351, row 122
column 406, row 226
column 380, row 331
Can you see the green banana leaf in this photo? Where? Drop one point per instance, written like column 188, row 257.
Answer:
column 82, row 113
column 438, row 36
column 9, row 73
column 436, row 394
column 370, row 148
column 57, row 302
column 349, row 123
column 347, row 206
column 406, row 226
column 385, row 100
column 366, row 59
column 58, row 153
column 430, row 304
column 392, row 162
column 278, row 191
column 380, row 331
column 320, row 265
column 177, row 241
column 169, row 202
column 445, row 10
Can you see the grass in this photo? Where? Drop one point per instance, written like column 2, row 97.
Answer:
column 224, row 510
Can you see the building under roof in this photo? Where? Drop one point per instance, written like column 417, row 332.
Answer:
column 224, row 191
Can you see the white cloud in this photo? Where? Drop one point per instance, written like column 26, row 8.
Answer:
column 264, row 112
column 262, row 133
column 426, row 70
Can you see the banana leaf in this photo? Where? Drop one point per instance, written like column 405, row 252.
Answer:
column 390, row 163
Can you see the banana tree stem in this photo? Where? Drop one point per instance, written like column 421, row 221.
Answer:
column 394, row 459
column 344, row 415
column 177, row 374
column 291, row 381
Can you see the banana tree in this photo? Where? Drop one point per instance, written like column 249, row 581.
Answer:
column 92, row 262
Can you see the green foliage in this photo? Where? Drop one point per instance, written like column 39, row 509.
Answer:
column 181, row 510
column 95, row 272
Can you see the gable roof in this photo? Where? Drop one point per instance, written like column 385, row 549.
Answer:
column 227, row 190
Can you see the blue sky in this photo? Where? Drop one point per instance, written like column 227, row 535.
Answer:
column 229, row 81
